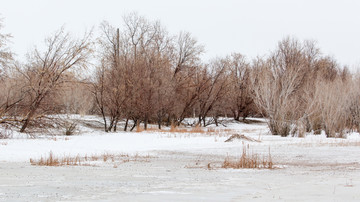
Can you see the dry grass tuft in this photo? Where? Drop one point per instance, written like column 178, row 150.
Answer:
column 248, row 160
column 47, row 161
column 52, row 160
column 172, row 127
column 107, row 156
column 4, row 143
column 59, row 138
column 189, row 130
column 343, row 143
column 249, row 130
column 139, row 129
column 94, row 158
column 196, row 129
column 154, row 129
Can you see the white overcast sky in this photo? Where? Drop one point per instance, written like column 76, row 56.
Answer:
column 250, row 27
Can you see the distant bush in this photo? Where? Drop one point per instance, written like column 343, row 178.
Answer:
column 6, row 133
column 70, row 128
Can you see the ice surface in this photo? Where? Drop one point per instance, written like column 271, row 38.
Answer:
column 307, row 169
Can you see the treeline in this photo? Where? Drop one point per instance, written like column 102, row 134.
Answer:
column 146, row 75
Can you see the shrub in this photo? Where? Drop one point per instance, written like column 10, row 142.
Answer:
column 6, row 133
column 332, row 97
column 70, row 128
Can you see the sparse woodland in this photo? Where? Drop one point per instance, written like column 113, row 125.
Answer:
column 144, row 75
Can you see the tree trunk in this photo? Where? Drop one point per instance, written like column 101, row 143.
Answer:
column 135, row 124
column 159, row 122
column 115, row 124
column 146, row 122
column 126, row 124
column 168, row 121
column 104, row 118
column 26, row 123
column 216, row 121
column 28, row 118
column 111, row 124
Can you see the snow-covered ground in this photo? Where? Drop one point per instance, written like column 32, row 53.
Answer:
column 186, row 166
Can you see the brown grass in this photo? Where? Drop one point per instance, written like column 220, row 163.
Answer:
column 139, row 129
column 154, row 129
column 59, row 138
column 343, row 143
column 4, row 143
column 107, row 156
column 249, row 130
column 196, row 129
column 52, row 160
column 248, row 160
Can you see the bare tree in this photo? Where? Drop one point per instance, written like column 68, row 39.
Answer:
column 98, row 90
column 239, row 98
column 187, row 68
column 215, row 88
column 44, row 71
column 278, row 82
column 108, row 89
column 5, row 54
column 353, row 102
column 135, row 71
column 332, row 97
column 187, row 51
column 10, row 94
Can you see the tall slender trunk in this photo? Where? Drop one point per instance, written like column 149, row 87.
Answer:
column 126, row 124
column 115, row 124
column 146, row 122
column 105, row 123
column 104, row 118
column 168, row 121
column 216, row 121
column 135, row 123
column 111, row 124
column 236, row 115
column 159, row 122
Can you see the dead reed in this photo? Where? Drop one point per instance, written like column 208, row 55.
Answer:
column 249, row 160
column 52, row 160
